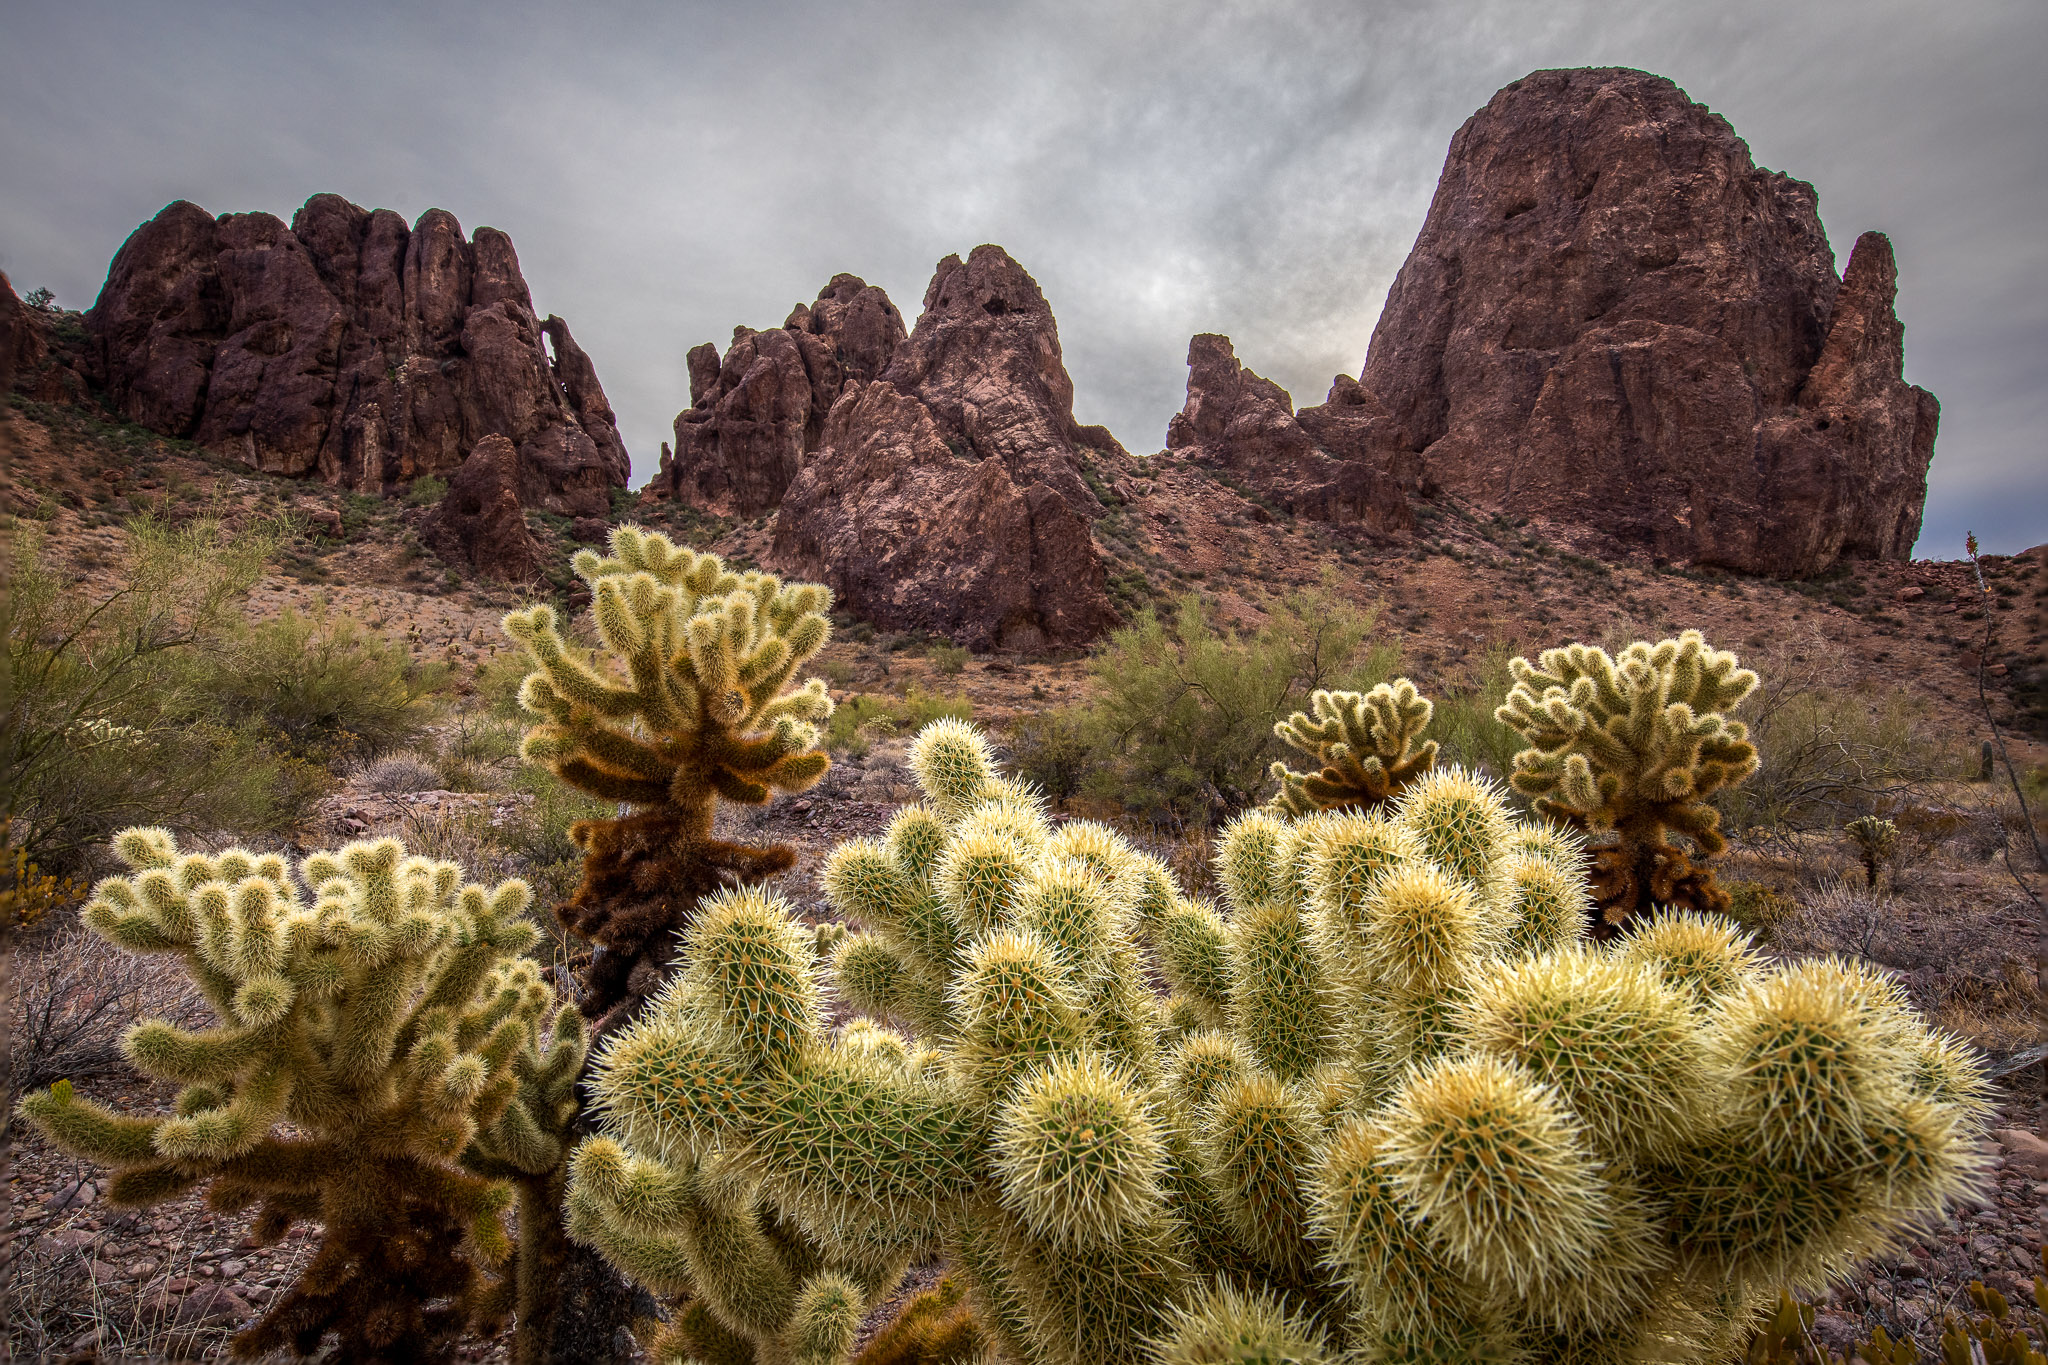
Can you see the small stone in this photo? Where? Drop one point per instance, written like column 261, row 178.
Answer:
column 138, row 1270
column 101, row 1271
column 1912, row 594
column 1986, row 1248
column 67, row 1239
column 70, row 1196
column 180, row 1284
column 233, row 1269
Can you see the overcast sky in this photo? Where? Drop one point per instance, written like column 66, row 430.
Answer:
column 667, row 170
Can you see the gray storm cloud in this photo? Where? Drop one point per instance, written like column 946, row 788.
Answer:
column 668, row 170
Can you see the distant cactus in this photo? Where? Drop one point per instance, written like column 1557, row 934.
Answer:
column 1393, row 1107
column 684, row 705
column 1364, row 745
column 392, row 1024
column 1627, row 750
column 1877, row 842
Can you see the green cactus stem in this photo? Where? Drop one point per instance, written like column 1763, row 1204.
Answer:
column 686, row 703
column 1364, row 746
column 1877, row 842
column 1626, row 751
column 391, row 1023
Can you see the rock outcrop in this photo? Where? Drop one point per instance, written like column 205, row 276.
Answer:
column 1242, row 423
column 756, row 415
column 351, row 347
column 1613, row 317
column 479, row 521
column 21, row 341
column 947, row 493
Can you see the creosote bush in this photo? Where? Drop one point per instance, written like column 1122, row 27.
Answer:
column 1394, row 1107
column 392, row 1023
column 684, row 705
column 1627, row 751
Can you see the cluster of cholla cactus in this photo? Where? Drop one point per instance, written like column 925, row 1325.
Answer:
column 1364, row 745
column 1628, row 751
column 1877, row 843
column 1394, row 1107
column 684, row 704
column 392, row 1024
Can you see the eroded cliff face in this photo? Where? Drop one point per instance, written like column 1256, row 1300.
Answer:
column 353, row 348
column 1611, row 315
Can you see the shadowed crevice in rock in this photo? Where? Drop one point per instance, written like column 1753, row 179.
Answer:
column 353, row 348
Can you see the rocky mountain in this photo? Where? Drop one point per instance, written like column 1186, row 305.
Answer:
column 1315, row 463
column 1613, row 316
column 935, row 479
column 350, row 347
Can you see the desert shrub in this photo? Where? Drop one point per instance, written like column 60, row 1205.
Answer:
column 100, row 724
column 947, row 658
column 327, row 688
column 399, row 774
column 1184, row 711
column 1054, row 751
column 1759, row 908
column 1831, row 746
column 865, row 714
column 1465, row 725
column 425, row 491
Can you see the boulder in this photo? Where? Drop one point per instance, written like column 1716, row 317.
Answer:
column 1613, row 317
column 1238, row 421
column 350, row 347
column 947, row 494
column 757, row 414
column 479, row 521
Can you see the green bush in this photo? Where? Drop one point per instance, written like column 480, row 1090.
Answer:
column 322, row 685
column 1185, row 709
column 425, row 491
column 1054, row 751
column 948, row 659
column 100, row 723
column 912, row 711
column 1464, row 723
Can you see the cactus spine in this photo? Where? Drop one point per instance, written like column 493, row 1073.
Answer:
column 1364, row 746
column 1394, row 1107
column 686, row 705
column 391, row 1022
column 1627, row 751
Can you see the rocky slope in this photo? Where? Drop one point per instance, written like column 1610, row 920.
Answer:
column 1613, row 315
column 351, row 347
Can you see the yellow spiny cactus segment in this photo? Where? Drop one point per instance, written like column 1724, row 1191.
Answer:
column 748, row 973
column 1547, row 905
column 1704, row 956
column 1616, row 1045
column 1282, row 1000
column 1495, row 1166
column 1419, row 928
column 693, row 700
column 954, row 766
column 1248, row 861
column 1066, row 905
column 1258, row 1139
column 1017, row 1010
column 1193, row 948
column 980, row 875
column 1462, row 824
column 916, row 840
column 1228, row 1326
column 1548, row 839
column 1347, row 860
column 1078, row 1156
column 1810, row 1063
column 1364, row 745
column 1200, row 1065
column 1375, row 1242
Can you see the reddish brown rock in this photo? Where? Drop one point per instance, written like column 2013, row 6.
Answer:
column 1238, row 421
column 351, row 347
column 910, row 535
column 947, row 494
column 1613, row 317
column 479, row 520
column 21, row 340
column 756, row 415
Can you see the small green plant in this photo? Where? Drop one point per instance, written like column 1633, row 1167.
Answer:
column 392, row 1023
column 864, row 713
column 1627, row 750
column 683, row 706
column 949, row 659
column 425, row 491
column 1877, row 843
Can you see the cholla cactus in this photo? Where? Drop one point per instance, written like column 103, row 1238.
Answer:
column 1876, row 840
column 1393, row 1109
column 1364, row 745
column 1627, row 751
column 687, row 705
column 391, row 1022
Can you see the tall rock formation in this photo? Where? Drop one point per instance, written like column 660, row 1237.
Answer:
column 1613, row 317
column 756, row 415
column 1314, row 463
column 351, row 347
column 947, row 493
column 21, row 341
